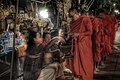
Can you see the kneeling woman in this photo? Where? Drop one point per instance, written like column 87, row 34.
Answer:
column 34, row 57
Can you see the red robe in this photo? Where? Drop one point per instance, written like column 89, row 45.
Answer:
column 116, row 25
column 107, row 29
column 82, row 63
column 97, row 39
column 113, row 18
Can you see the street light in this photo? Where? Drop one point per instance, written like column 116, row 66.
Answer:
column 114, row 4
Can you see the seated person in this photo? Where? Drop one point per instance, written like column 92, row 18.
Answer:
column 52, row 67
column 34, row 57
column 46, row 38
column 51, row 70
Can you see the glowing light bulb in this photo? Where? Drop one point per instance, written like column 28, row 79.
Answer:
column 114, row 4
column 44, row 13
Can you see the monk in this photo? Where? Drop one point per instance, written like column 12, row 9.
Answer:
column 107, row 29
column 97, row 39
column 81, row 29
column 114, row 27
column 100, row 38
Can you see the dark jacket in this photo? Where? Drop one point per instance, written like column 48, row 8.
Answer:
column 33, row 62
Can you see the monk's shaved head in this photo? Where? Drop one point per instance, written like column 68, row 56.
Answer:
column 73, row 10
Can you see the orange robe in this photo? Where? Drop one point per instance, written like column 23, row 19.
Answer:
column 107, row 29
column 82, row 63
column 97, row 39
